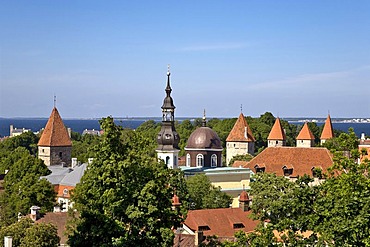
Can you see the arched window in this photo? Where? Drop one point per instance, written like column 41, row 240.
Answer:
column 188, row 160
column 200, row 160
column 214, row 160
column 167, row 160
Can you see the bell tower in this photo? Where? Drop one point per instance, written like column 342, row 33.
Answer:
column 167, row 138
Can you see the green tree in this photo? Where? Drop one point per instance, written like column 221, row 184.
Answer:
column 204, row 195
column 27, row 140
column 246, row 157
column 124, row 197
column 27, row 234
column 41, row 235
column 23, row 187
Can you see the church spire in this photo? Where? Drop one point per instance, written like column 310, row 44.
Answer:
column 167, row 138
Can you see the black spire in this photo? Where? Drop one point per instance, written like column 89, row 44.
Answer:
column 168, row 138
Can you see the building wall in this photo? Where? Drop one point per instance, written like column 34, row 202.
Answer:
column 207, row 154
column 276, row 143
column 305, row 143
column 170, row 158
column 55, row 155
column 238, row 148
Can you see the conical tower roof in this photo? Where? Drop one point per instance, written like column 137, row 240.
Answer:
column 241, row 131
column 327, row 131
column 277, row 132
column 305, row 133
column 55, row 133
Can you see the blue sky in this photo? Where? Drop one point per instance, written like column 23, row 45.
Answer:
column 291, row 58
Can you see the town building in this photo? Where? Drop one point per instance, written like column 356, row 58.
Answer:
column 240, row 140
column 277, row 137
column 364, row 148
column 167, row 138
column 327, row 132
column 55, row 145
column 305, row 137
column 203, row 148
column 221, row 222
column 291, row 162
column 16, row 132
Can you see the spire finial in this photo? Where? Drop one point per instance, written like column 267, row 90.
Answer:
column 55, row 100
column 204, row 118
column 168, row 69
column 241, row 108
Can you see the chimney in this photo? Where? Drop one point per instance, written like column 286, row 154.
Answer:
column 11, row 130
column 244, row 201
column 74, row 162
column 8, row 241
column 35, row 213
column 362, row 136
column 69, row 132
column 198, row 238
column 246, row 132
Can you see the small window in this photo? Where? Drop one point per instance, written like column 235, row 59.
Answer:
column 60, row 154
column 65, row 192
column 214, row 160
column 167, row 160
column 287, row 171
column 188, row 160
column 200, row 160
column 203, row 228
column 259, row 169
column 277, row 142
column 238, row 225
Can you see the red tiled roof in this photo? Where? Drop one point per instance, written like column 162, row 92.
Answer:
column 277, row 132
column 305, row 133
column 223, row 222
column 327, row 131
column 55, row 133
column 59, row 189
column 59, row 219
column 302, row 160
column 184, row 240
column 244, row 196
column 237, row 134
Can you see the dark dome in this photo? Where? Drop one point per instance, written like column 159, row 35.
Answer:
column 204, row 137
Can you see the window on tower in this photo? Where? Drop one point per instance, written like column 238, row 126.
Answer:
column 214, row 160
column 200, row 160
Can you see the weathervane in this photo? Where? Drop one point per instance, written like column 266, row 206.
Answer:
column 241, row 108
column 168, row 69
column 55, row 100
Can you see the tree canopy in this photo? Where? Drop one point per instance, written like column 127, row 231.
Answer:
column 124, row 197
column 202, row 194
column 23, row 187
column 27, row 234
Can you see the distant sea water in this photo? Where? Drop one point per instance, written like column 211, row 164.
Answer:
column 79, row 125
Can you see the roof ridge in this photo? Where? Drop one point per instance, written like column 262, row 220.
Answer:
column 55, row 133
column 277, row 131
column 241, row 131
column 327, row 131
column 305, row 133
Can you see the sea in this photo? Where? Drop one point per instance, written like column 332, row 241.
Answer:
column 79, row 125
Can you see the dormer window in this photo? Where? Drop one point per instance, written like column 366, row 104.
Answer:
column 259, row 169
column 203, row 228
column 287, row 171
column 238, row 225
column 65, row 192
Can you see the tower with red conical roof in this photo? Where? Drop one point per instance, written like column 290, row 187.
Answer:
column 277, row 137
column 240, row 140
column 55, row 145
column 327, row 131
column 305, row 138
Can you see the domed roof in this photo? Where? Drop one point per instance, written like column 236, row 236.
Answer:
column 204, row 138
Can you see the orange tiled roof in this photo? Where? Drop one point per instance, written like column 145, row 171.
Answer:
column 305, row 133
column 223, row 222
column 302, row 160
column 63, row 190
column 327, row 131
column 55, row 133
column 237, row 134
column 277, row 132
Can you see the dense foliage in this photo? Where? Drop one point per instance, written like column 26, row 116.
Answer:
column 27, row 234
column 23, row 187
column 124, row 197
column 82, row 146
column 202, row 194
